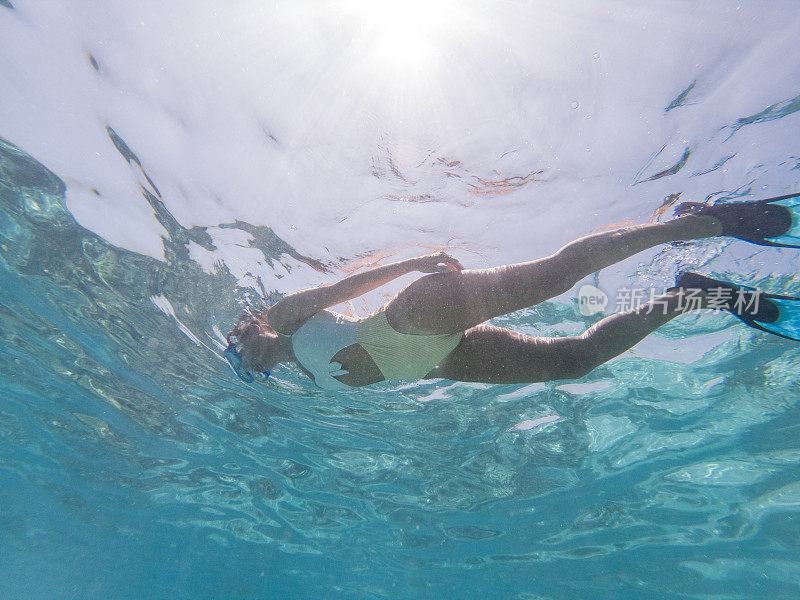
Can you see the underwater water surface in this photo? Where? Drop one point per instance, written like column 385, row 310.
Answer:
column 164, row 167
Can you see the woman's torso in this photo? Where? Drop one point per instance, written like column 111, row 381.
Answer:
column 362, row 370
column 338, row 352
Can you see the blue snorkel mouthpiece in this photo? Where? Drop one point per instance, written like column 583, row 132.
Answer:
column 234, row 359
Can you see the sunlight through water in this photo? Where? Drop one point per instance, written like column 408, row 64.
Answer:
column 405, row 37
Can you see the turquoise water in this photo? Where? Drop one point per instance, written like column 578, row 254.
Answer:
column 134, row 464
column 163, row 166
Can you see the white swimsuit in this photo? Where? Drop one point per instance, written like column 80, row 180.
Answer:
column 397, row 355
column 317, row 341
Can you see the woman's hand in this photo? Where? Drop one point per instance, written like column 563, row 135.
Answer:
column 438, row 262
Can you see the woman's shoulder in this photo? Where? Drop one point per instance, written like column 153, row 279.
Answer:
column 288, row 329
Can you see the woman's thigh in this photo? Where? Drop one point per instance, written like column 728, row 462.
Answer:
column 449, row 302
column 489, row 354
column 459, row 300
column 440, row 303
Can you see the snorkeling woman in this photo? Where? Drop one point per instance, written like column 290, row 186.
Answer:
column 434, row 328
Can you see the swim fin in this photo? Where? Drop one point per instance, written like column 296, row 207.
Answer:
column 773, row 313
column 768, row 222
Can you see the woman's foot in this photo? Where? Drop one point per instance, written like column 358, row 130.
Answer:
column 742, row 301
column 769, row 222
column 773, row 313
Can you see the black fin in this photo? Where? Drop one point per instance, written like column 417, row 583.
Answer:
column 773, row 313
column 762, row 222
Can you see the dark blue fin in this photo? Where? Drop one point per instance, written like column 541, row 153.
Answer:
column 787, row 324
column 768, row 222
column 790, row 239
column 773, row 313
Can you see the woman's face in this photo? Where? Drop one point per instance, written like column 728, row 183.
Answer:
column 256, row 342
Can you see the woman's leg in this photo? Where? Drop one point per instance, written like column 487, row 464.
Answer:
column 494, row 355
column 457, row 301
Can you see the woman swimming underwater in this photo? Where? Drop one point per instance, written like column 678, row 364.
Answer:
column 434, row 328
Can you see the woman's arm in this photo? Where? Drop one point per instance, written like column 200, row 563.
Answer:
column 287, row 315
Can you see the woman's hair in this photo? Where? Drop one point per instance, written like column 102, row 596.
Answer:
column 252, row 325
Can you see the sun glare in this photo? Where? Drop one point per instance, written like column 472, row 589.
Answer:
column 403, row 34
